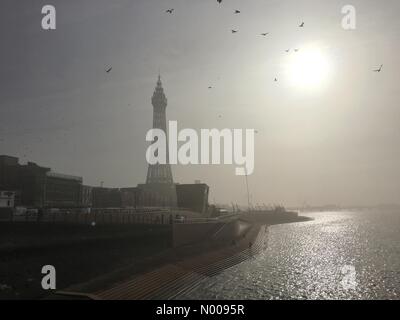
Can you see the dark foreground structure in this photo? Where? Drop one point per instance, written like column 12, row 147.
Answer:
column 78, row 252
column 115, row 258
column 193, row 196
column 37, row 186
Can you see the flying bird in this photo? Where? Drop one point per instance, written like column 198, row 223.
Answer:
column 301, row 25
column 234, row 31
column 380, row 69
column 170, row 11
column 264, row 34
column 276, row 79
column 237, row 11
column 210, row 87
column 219, row 1
column 108, row 70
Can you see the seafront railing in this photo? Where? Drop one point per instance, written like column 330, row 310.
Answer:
column 112, row 216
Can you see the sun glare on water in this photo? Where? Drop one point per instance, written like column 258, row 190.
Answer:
column 308, row 67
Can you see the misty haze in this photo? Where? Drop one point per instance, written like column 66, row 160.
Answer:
column 190, row 150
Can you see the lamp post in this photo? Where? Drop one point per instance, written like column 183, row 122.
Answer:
column 248, row 193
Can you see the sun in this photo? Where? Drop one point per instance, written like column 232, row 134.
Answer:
column 308, row 67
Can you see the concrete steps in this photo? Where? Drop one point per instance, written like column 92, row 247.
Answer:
column 172, row 280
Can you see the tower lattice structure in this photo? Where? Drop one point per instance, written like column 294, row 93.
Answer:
column 160, row 173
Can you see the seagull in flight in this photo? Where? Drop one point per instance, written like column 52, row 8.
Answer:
column 380, row 69
column 264, row 34
column 301, row 25
column 234, row 31
column 237, row 11
column 109, row 70
column 170, row 11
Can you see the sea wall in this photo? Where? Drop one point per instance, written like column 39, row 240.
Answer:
column 30, row 236
column 217, row 232
column 271, row 218
column 189, row 233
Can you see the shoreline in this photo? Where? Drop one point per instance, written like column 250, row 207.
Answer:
column 176, row 271
column 92, row 260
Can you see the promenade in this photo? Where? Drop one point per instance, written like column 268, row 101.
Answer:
column 177, row 271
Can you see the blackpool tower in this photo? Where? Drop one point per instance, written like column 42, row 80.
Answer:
column 159, row 179
column 159, row 173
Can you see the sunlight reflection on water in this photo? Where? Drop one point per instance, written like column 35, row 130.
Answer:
column 306, row 261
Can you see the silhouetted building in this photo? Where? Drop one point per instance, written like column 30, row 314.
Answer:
column 106, row 198
column 62, row 191
column 193, row 196
column 130, row 197
column 32, row 182
column 135, row 197
column 86, row 196
column 7, row 199
column 37, row 186
column 9, row 173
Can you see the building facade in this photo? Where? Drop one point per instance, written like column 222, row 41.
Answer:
column 7, row 199
column 37, row 186
column 62, row 191
column 193, row 197
column 86, row 196
column 9, row 172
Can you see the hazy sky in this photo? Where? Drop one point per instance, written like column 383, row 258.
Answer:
column 337, row 142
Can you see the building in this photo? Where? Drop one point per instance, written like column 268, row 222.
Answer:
column 159, row 186
column 7, row 199
column 106, row 197
column 193, row 197
column 130, row 197
column 136, row 197
column 7, row 203
column 86, row 196
column 37, row 186
column 9, row 171
column 62, row 191
column 31, row 184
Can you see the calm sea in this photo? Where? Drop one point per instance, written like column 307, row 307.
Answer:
column 338, row 255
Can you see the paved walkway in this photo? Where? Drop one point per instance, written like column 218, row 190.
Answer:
column 182, row 275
